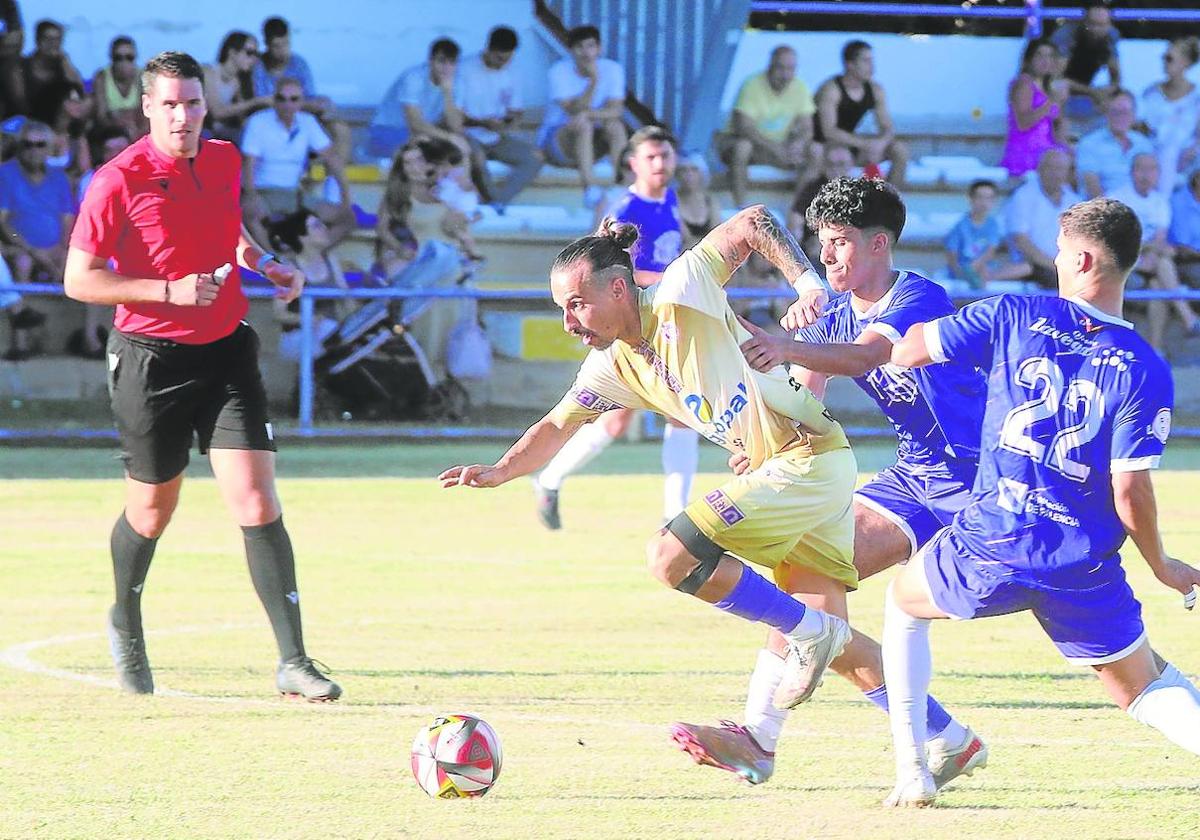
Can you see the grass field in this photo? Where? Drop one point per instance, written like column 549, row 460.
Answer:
column 426, row 601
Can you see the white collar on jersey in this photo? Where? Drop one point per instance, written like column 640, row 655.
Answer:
column 880, row 306
column 1098, row 315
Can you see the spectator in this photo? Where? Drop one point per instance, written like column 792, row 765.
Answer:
column 229, row 86
column 488, row 93
column 584, row 115
column 416, row 231
column 12, row 42
column 1105, row 157
column 1157, row 259
column 1087, row 47
column 1184, row 233
column 48, row 78
column 117, row 89
column 279, row 63
column 107, row 142
column 1171, row 110
column 1035, row 99
column 836, row 162
column 36, row 208
column 420, row 103
column 771, row 122
column 22, row 318
column 844, row 100
column 36, row 214
column 973, row 245
column 276, row 146
column 305, row 240
column 699, row 211
column 1031, row 216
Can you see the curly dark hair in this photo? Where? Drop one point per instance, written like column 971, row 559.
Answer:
column 1109, row 224
column 861, row 203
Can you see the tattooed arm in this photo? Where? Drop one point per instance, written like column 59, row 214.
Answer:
column 757, row 229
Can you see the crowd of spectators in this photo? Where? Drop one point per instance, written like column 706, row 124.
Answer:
column 1072, row 131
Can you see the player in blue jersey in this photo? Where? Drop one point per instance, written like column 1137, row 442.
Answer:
column 1078, row 413
column 937, row 414
column 650, row 204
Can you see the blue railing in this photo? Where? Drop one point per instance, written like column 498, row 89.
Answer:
column 1030, row 10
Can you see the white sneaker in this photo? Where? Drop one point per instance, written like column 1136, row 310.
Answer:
column 807, row 660
column 948, row 762
column 916, row 791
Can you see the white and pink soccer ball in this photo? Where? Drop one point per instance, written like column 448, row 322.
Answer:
column 456, row 756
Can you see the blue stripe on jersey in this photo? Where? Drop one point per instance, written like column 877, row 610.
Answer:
column 660, row 239
column 1073, row 396
column 937, row 411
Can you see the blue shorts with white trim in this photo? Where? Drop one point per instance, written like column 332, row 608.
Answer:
column 920, row 500
column 1092, row 617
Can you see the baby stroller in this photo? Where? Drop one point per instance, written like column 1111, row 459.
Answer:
column 376, row 366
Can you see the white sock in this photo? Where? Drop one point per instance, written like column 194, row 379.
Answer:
column 1171, row 674
column 585, row 445
column 680, row 457
column 763, row 720
column 952, row 736
column 1173, row 709
column 907, row 670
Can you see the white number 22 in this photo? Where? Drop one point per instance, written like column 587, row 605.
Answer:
column 1080, row 396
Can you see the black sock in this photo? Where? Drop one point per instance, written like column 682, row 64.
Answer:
column 273, row 570
column 131, row 556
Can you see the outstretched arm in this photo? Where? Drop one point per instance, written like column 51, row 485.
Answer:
column 912, row 351
column 535, row 448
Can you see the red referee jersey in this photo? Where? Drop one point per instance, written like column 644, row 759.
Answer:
column 159, row 216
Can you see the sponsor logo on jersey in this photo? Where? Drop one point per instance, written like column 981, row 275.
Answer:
column 724, row 507
column 1075, row 341
column 719, row 423
column 658, row 365
column 590, row 399
column 1161, row 426
column 897, row 384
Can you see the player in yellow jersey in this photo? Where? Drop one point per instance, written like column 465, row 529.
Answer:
column 675, row 348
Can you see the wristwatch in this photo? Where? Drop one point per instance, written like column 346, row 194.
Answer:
column 263, row 260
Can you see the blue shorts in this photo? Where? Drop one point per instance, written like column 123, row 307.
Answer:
column 920, row 501
column 1092, row 618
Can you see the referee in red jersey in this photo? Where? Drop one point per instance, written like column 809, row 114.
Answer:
column 159, row 235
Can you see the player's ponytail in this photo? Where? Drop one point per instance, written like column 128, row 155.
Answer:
column 607, row 247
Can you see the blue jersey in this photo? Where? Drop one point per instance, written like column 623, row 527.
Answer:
column 1074, row 395
column 660, row 239
column 937, row 410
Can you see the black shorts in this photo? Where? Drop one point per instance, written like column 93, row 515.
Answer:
column 163, row 392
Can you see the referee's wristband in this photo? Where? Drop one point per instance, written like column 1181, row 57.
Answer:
column 263, row 260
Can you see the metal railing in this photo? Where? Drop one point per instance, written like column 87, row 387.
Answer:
column 307, row 381
column 1030, row 10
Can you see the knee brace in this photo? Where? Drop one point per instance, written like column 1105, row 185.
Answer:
column 707, row 553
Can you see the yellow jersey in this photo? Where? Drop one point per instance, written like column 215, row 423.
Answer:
column 689, row 367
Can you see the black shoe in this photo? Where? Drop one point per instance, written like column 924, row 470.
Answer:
column 547, row 507
column 129, row 657
column 302, row 678
column 28, row 318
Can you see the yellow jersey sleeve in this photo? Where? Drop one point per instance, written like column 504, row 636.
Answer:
column 597, row 389
column 696, row 280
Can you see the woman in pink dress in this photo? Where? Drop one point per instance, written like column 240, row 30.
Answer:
column 1033, row 108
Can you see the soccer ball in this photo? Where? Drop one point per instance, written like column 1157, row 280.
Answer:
column 456, row 756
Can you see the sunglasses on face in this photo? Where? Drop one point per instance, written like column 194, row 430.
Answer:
column 279, row 98
column 124, row 57
column 250, row 51
column 35, row 144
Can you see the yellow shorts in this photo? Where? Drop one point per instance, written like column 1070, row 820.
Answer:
column 793, row 509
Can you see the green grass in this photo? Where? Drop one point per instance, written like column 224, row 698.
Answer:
column 427, row 601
